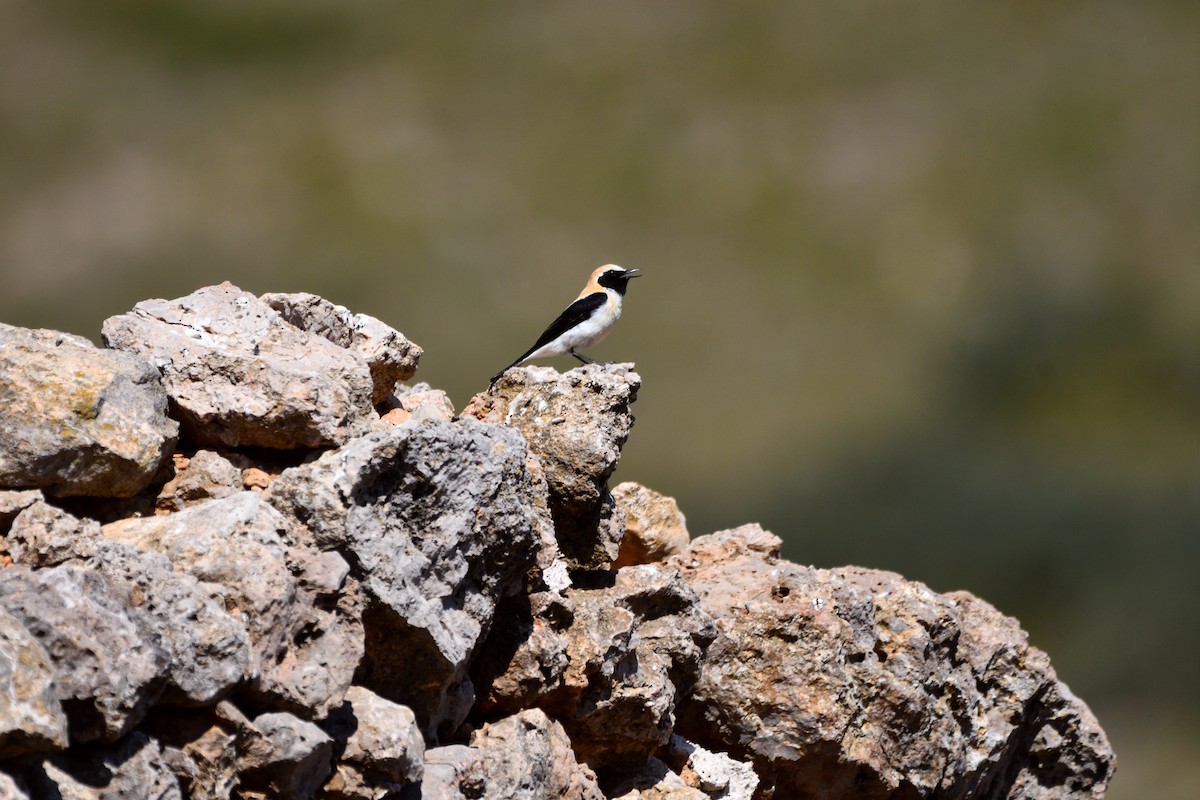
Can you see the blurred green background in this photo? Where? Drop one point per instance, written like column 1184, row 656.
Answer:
column 922, row 280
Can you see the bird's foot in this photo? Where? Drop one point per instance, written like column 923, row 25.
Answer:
column 583, row 358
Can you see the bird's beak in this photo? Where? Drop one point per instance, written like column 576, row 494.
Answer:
column 632, row 273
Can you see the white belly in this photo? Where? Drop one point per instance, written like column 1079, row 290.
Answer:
column 584, row 335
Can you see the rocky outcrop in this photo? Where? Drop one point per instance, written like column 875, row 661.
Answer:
column 325, row 584
column 857, row 682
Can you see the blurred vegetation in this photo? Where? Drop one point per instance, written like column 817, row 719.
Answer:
column 923, row 280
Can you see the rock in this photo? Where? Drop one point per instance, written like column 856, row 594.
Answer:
column 576, row 423
column 283, row 757
column 76, row 420
column 609, row 662
column 390, row 356
column 302, row 657
column 209, row 649
column 31, row 717
column 108, row 664
column 132, row 769
column 420, row 402
column 238, row 374
column 42, row 536
column 441, row 520
column 453, row 772
column 715, row 774
column 13, row 503
column 854, row 682
column 654, row 526
column 204, row 476
column 199, row 750
column 384, row 751
column 655, row 781
column 523, row 757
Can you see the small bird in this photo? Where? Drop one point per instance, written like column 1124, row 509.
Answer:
column 586, row 321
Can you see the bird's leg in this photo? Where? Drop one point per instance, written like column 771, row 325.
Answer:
column 582, row 357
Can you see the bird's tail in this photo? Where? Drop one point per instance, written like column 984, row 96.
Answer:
column 524, row 356
column 498, row 375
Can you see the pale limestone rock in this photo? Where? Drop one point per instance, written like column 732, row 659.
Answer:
column 76, row 420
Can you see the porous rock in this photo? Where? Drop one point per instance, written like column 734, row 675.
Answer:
column 132, row 769
column 383, row 750
column 389, row 355
column 238, row 374
column 654, row 781
column 419, row 402
column 611, row 662
column 440, row 519
column 209, row 649
column 283, row 757
column 31, row 717
column 654, row 526
column 302, row 657
column 576, row 422
column 76, row 420
column 13, row 502
column 43, row 535
column 526, row 756
column 715, row 774
column 205, row 475
column 108, row 664
column 200, row 749
column 855, row 682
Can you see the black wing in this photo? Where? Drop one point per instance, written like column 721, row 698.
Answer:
column 575, row 313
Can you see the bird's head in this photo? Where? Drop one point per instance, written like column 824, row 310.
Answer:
column 610, row 276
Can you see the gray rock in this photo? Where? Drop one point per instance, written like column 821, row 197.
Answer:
column 523, row 757
column 132, row 769
column 76, row 420
column 419, row 402
column 715, row 774
column 209, row 649
column 576, row 423
column 383, row 752
column 43, row 535
column 13, row 502
column 454, row 772
column 390, row 356
column 440, row 519
column 109, row 666
column 31, row 717
column 238, row 374
column 283, row 757
column 611, row 663
column 853, row 682
column 302, row 657
column 204, row 476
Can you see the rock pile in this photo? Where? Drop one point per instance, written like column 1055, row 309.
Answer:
column 241, row 559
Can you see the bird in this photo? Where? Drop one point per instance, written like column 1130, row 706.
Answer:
column 585, row 322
